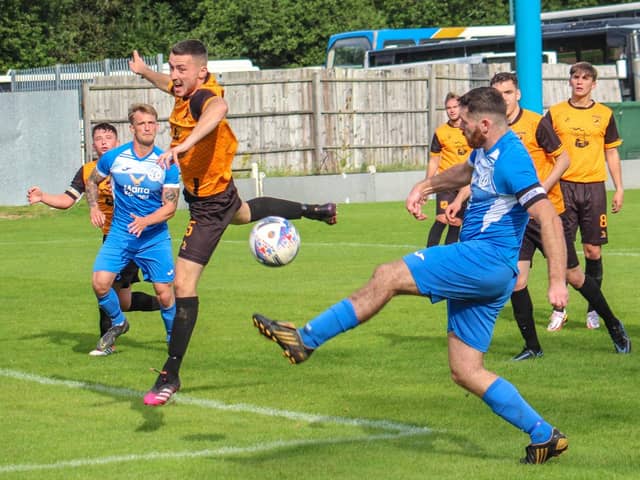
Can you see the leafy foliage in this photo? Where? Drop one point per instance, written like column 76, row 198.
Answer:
column 272, row 33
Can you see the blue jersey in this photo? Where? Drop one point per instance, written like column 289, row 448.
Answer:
column 137, row 185
column 503, row 185
column 477, row 275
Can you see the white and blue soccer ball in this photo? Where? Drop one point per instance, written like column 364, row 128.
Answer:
column 274, row 241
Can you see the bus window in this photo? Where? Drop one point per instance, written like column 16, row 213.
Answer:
column 348, row 52
column 398, row 43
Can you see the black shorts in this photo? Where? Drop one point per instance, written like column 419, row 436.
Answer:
column 586, row 208
column 532, row 241
column 210, row 217
column 443, row 199
column 128, row 275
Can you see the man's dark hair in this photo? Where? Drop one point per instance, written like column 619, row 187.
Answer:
column 502, row 77
column 584, row 67
column 195, row 48
column 104, row 126
column 484, row 100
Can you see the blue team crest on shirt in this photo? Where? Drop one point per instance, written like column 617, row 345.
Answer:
column 156, row 173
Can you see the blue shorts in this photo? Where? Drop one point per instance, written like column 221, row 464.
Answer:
column 154, row 256
column 473, row 280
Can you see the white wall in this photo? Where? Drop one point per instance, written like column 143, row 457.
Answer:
column 39, row 143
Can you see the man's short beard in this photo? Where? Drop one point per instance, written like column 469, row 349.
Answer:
column 477, row 139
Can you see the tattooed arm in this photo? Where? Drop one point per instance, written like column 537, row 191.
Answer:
column 91, row 193
column 164, row 213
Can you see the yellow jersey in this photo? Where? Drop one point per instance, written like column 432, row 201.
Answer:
column 450, row 144
column 206, row 167
column 586, row 132
column 543, row 144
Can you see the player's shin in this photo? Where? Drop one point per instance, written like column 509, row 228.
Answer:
column 143, row 302
column 505, row 401
column 111, row 306
column 267, row 206
column 333, row 321
column 184, row 322
column 168, row 317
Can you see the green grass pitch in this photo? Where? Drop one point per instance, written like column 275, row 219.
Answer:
column 375, row 403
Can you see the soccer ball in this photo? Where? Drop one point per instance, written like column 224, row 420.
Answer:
column 274, row 241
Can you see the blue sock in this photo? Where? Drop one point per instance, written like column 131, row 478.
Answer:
column 333, row 321
column 506, row 402
column 111, row 306
column 168, row 315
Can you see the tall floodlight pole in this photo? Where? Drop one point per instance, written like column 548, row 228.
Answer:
column 529, row 53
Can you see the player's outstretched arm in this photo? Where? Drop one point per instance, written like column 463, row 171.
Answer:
column 61, row 201
column 158, row 79
column 214, row 112
column 451, row 179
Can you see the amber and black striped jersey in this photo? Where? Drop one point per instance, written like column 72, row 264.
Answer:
column 544, row 145
column 105, row 197
column 450, row 144
column 206, row 167
column 586, row 132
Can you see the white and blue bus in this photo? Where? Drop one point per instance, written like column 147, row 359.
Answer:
column 349, row 49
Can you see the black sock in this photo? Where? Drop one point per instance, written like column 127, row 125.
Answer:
column 593, row 268
column 523, row 313
column 591, row 291
column 185, row 321
column 452, row 235
column 435, row 233
column 143, row 302
column 262, row 207
column 105, row 322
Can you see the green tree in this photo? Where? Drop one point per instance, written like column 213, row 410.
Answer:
column 280, row 33
column 34, row 34
column 272, row 33
column 22, row 36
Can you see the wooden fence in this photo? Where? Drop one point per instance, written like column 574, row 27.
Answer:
column 309, row 121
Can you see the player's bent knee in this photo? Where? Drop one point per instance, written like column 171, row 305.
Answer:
column 164, row 293
column 575, row 277
column 101, row 283
column 242, row 215
column 394, row 277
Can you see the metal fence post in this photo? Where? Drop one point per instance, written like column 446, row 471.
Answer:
column 58, row 77
column 316, row 106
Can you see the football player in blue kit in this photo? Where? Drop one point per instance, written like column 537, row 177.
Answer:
column 475, row 276
column 145, row 197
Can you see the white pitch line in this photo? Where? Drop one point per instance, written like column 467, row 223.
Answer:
column 407, row 247
column 387, row 425
column 218, row 452
column 399, row 430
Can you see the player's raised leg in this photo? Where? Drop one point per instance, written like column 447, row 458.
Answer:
column 261, row 207
column 388, row 280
